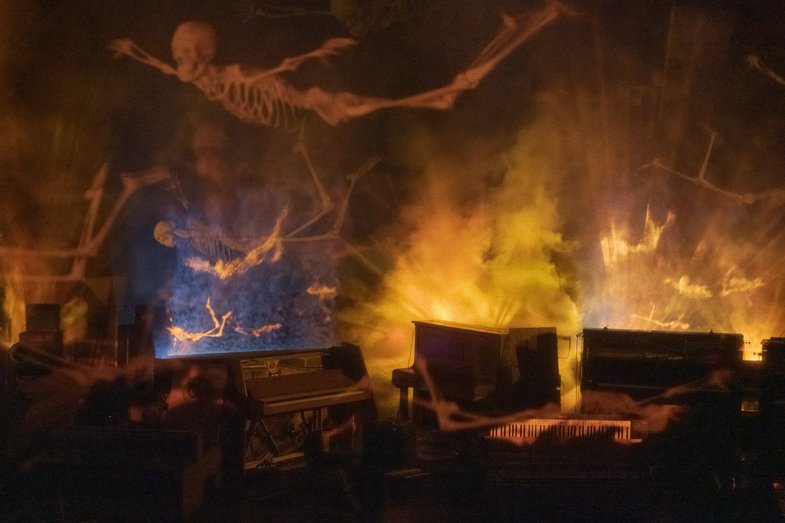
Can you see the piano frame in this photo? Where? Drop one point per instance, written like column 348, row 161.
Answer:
column 266, row 384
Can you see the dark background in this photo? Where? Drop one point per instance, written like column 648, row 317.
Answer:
column 617, row 84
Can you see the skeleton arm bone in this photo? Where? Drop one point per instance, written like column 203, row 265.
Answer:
column 515, row 30
column 331, row 47
column 701, row 178
column 773, row 196
column 126, row 46
column 698, row 180
column 353, row 177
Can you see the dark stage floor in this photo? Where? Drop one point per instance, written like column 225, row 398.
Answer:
column 338, row 491
column 412, row 495
column 84, row 471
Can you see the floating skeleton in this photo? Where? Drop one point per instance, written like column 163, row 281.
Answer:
column 233, row 256
column 91, row 240
column 209, row 241
column 226, row 269
column 263, row 97
column 774, row 197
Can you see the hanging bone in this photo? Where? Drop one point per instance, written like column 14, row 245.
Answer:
column 771, row 197
column 326, row 204
column 262, row 97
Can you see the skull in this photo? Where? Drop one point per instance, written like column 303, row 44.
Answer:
column 164, row 233
column 193, row 48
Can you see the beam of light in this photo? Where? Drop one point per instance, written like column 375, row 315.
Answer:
column 487, row 262
column 724, row 284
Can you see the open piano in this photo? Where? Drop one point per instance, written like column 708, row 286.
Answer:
column 478, row 365
column 480, row 369
column 598, row 453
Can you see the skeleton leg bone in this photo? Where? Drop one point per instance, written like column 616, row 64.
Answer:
column 337, row 107
column 353, row 178
column 95, row 195
column 514, row 32
column 327, row 204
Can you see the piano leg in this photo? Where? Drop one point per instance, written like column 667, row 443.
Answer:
column 259, row 427
column 403, row 404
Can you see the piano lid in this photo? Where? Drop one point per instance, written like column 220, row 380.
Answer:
column 461, row 326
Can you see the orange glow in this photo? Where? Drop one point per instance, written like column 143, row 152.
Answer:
column 258, row 331
column 323, row 292
column 488, row 263
column 618, row 251
column 184, row 338
column 715, row 288
column 14, row 308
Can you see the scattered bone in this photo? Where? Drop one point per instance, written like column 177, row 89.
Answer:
column 323, row 292
column 185, row 337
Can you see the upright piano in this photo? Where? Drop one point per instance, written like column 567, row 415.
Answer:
column 273, row 400
column 643, row 363
column 472, row 364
